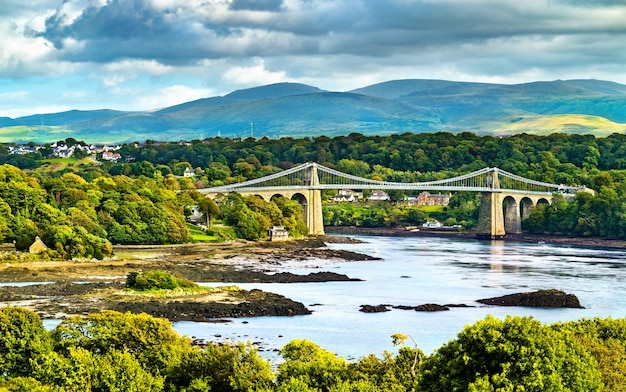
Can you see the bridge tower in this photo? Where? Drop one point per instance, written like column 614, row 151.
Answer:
column 313, row 216
column 490, row 214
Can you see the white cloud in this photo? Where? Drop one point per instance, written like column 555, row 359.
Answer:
column 171, row 95
column 126, row 70
column 254, row 75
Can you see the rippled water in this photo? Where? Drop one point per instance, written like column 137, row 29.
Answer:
column 415, row 271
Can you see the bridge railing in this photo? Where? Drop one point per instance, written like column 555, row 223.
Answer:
column 481, row 180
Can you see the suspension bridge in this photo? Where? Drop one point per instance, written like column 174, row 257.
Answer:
column 506, row 198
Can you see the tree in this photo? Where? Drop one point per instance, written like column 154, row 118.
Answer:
column 151, row 340
column 221, row 367
column 518, row 353
column 309, row 363
column 209, row 210
column 22, row 338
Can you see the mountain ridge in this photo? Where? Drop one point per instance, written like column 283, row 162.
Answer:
column 396, row 106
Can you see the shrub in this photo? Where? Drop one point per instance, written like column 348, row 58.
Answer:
column 154, row 280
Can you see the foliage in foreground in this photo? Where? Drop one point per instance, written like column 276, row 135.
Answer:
column 111, row 351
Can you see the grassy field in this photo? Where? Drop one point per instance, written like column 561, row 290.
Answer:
column 563, row 123
column 198, row 235
column 57, row 164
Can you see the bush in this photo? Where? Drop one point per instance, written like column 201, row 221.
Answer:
column 154, row 280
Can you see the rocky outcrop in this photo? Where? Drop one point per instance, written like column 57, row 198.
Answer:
column 374, row 308
column 424, row 308
column 418, row 308
column 539, row 299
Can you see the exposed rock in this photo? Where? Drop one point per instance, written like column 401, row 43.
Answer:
column 374, row 308
column 540, row 299
column 423, row 308
column 430, row 308
column 288, row 277
column 61, row 299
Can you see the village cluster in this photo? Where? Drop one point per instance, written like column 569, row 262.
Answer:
column 62, row 150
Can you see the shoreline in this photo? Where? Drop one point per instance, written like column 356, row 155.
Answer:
column 470, row 235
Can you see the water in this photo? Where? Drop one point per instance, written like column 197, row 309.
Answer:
column 415, row 271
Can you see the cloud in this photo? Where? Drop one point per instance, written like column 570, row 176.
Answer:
column 255, row 74
column 171, row 95
column 256, row 5
column 109, row 48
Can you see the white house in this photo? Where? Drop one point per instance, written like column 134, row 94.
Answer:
column 432, row 224
column 347, row 195
column 378, row 196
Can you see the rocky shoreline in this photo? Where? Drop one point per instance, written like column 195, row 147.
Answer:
column 102, row 282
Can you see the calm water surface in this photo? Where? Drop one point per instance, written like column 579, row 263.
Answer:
column 416, row 271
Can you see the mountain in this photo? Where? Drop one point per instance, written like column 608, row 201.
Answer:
column 70, row 117
column 7, row 122
column 298, row 110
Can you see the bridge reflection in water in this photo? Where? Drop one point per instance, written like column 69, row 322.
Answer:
column 506, row 198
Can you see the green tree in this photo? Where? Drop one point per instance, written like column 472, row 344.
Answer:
column 209, row 210
column 605, row 339
column 151, row 340
column 221, row 367
column 22, row 338
column 518, row 353
column 310, row 364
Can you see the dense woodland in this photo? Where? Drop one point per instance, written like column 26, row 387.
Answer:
column 81, row 211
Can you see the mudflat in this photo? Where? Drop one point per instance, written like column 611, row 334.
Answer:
column 78, row 287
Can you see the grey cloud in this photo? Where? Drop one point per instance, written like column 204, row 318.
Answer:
column 377, row 29
column 257, row 5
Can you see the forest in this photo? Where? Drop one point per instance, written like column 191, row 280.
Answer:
column 81, row 211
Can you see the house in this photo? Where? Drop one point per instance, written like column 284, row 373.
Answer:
column 427, row 199
column 278, row 233
column 432, row 224
column 38, row 246
column 196, row 214
column 378, row 196
column 347, row 195
column 111, row 156
column 189, row 172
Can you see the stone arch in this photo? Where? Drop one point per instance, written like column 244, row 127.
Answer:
column 262, row 197
column 543, row 201
column 512, row 218
column 276, row 196
column 300, row 198
column 526, row 204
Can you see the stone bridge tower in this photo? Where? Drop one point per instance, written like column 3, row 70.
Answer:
column 313, row 216
column 490, row 215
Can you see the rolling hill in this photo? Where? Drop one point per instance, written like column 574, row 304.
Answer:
column 298, row 110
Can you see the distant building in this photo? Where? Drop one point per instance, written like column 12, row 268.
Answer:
column 347, row 195
column 111, row 156
column 189, row 172
column 38, row 246
column 278, row 233
column 196, row 214
column 378, row 196
column 427, row 199
column 432, row 224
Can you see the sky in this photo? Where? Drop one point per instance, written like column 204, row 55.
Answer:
column 58, row 55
